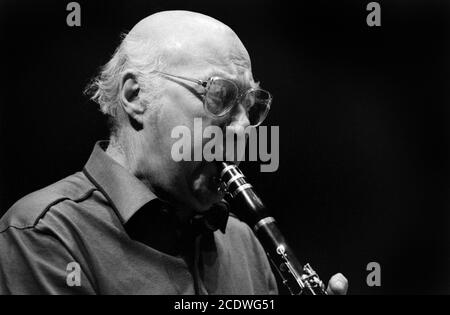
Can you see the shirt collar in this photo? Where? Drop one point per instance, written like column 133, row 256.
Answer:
column 124, row 191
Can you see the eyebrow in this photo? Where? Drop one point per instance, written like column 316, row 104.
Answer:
column 242, row 86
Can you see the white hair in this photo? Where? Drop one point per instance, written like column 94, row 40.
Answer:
column 136, row 54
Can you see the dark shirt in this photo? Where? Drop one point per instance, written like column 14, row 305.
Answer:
column 123, row 239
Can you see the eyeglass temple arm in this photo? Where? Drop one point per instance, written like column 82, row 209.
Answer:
column 200, row 82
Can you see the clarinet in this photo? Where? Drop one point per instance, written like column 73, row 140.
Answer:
column 297, row 278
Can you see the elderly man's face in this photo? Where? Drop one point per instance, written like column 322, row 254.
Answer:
column 192, row 183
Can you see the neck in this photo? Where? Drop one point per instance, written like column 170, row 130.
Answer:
column 121, row 152
column 116, row 151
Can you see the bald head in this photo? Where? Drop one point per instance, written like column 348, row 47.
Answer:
column 168, row 40
column 183, row 36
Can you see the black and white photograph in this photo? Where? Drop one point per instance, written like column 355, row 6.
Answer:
column 245, row 150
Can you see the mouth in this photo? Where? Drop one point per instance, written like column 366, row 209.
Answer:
column 206, row 182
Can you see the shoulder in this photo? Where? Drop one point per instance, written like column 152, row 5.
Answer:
column 240, row 247
column 236, row 226
column 240, row 236
column 27, row 211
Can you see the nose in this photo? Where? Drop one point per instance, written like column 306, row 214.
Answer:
column 236, row 133
column 239, row 117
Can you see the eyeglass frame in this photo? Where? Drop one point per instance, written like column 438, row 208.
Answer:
column 204, row 84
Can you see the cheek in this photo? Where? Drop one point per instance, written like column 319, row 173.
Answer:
column 182, row 107
column 177, row 110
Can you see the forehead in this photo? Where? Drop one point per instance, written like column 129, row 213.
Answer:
column 204, row 59
column 203, row 69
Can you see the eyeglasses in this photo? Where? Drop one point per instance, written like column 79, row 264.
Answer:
column 221, row 95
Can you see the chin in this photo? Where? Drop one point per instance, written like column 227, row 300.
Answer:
column 205, row 197
column 205, row 186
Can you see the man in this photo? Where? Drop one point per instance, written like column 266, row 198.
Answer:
column 135, row 221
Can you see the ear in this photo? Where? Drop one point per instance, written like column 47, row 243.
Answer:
column 129, row 95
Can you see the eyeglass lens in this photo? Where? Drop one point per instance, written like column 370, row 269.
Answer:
column 222, row 94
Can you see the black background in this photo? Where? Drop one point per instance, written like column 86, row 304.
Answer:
column 363, row 113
